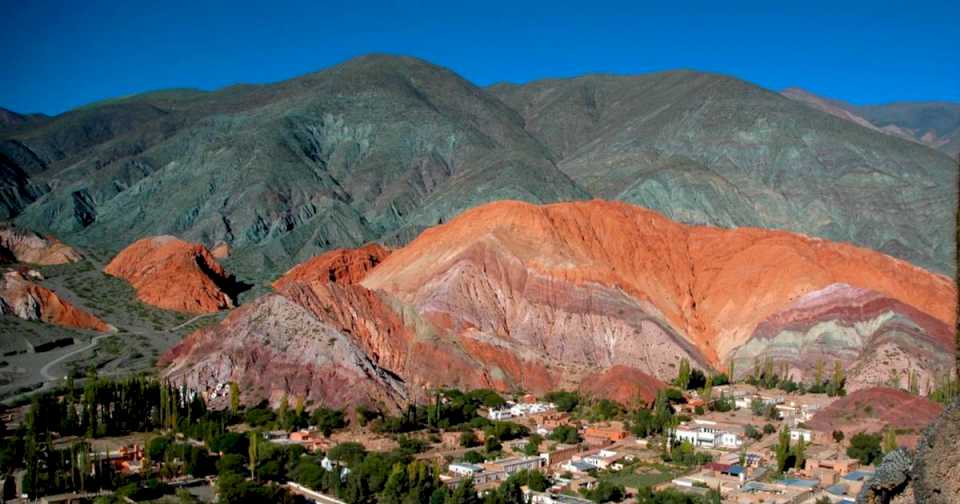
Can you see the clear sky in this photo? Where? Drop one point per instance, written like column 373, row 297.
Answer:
column 58, row 54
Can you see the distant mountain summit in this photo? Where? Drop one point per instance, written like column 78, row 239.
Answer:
column 935, row 124
column 710, row 149
column 380, row 147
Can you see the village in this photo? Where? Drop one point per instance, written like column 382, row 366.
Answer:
column 740, row 443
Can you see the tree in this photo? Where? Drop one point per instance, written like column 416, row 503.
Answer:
column 328, row 420
column 800, row 453
column 533, row 445
column 464, row 493
column 865, row 448
column 564, row 401
column 768, row 428
column 838, row 436
column 234, row 399
column 492, row 444
column 283, row 411
column 752, row 432
column 565, row 434
column 252, row 451
column 468, row 439
column 683, row 374
column 782, row 449
column 889, row 440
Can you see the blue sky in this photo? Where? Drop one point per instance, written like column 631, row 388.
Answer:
column 58, row 54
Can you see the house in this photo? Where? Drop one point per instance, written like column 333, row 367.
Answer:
column 464, row 468
column 499, row 414
column 603, row 459
column 829, row 460
column 494, row 471
column 561, row 453
column 604, row 434
column 855, row 480
column 311, row 439
column 553, row 420
column 796, row 434
column 579, row 466
column 710, row 434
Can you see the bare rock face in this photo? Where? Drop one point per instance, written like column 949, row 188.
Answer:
column 601, row 283
column 609, row 297
column 17, row 244
column 174, row 275
column 343, row 266
column 936, row 471
column 22, row 298
column 891, row 482
column 275, row 346
column 881, row 339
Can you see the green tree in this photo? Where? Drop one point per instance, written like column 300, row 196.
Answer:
column 234, row 399
column 889, row 440
column 865, row 448
column 252, row 452
column 782, row 449
column 683, row 374
column 468, row 439
column 800, row 453
column 464, row 493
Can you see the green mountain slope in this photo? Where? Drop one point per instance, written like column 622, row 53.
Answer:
column 709, row 149
column 375, row 148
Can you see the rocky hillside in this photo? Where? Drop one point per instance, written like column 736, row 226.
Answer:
column 512, row 295
column 710, row 149
column 380, row 147
column 175, row 275
column 25, row 246
column 373, row 149
column 21, row 297
column 873, row 409
column 935, row 124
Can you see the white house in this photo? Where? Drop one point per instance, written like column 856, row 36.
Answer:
column 464, row 468
column 709, row 434
column 796, row 434
column 499, row 414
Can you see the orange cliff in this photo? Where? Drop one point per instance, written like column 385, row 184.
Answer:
column 598, row 296
column 25, row 299
column 343, row 266
column 713, row 286
column 173, row 274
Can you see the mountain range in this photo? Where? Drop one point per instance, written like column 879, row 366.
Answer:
column 593, row 295
column 936, row 124
column 380, row 147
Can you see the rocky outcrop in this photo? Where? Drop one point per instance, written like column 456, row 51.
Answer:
column 275, row 346
column 872, row 410
column 605, row 283
column 879, row 338
column 343, row 266
column 21, row 297
column 29, row 247
column 936, row 471
column 891, row 481
column 175, row 275
column 611, row 297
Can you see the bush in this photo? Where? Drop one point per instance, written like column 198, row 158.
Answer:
column 865, row 448
column 468, row 439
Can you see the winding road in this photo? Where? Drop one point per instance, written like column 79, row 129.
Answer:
column 45, row 370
